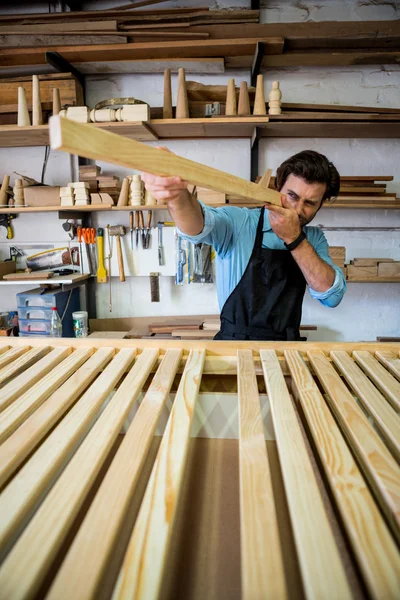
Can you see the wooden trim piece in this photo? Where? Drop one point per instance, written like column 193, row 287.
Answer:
column 4, row 349
column 321, row 571
column 142, row 570
column 261, row 553
column 372, row 400
column 93, row 545
column 86, row 141
column 26, row 565
column 390, row 361
column 22, row 363
column 374, row 547
column 17, row 447
column 387, row 384
column 31, row 482
column 12, row 354
column 378, row 464
column 26, row 380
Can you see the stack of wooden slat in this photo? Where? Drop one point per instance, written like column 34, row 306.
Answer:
column 338, row 256
column 114, row 26
column 103, row 188
column 373, row 269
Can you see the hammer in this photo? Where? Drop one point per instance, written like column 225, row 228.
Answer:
column 117, row 231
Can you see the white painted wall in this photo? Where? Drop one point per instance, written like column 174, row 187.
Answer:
column 367, row 310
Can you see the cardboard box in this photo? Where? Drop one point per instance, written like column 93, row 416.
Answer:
column 42, row 195
column 7, row 267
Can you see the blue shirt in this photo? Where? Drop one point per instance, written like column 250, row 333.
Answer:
column 232, row 232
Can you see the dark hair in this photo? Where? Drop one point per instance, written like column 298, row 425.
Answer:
column 313, row 167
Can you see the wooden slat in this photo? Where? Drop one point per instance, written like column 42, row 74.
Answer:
column 23, row 492
column 261, row 553
column 22, row 363
column 378, row 464
column 142, row 570
column 25, row 566
column 390, row 361
column 374, row 403
column 92, row 548
column 12, row 417
column 389, row 387
column 87, row 141
column 12, row 354
column 318, row 554
column 15, row 449
column 26, row 380
column 4, row 349
column 374, row 547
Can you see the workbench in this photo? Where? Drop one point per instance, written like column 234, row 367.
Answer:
column 151, row 469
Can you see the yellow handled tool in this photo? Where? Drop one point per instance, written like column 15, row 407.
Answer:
column 101, row 270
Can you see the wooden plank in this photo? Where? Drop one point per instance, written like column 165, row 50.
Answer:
column 17, row 447
column 79, row 26
column 390, row 361
column 12, row 354
column 374, row 547
column 25, row 566
column 93, row 545
column 83, row 140
column 319, row 558
column 31, row 483
column 20, row 384
column 378, row 464
column 31, row 42
column 20, row 365
column 70, row 89
column 142, row 50
column 191, row 65
column 374, row 403
column 261, row 553
column 389, row 387
column 142, row 570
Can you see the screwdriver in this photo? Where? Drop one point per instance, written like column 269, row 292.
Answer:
column 137, row 228
column 131, row 227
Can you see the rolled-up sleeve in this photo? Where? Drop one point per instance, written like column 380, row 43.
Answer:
column 334, row 295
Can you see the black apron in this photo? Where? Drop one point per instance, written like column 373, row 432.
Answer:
column 266, row 304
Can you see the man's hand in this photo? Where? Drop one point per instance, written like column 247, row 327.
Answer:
column 284, row 221
column 165, row 189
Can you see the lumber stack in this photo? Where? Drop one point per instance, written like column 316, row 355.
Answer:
column 198, row 472
column 373, row 269
column 104, row 189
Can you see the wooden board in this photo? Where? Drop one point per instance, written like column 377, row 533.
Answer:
column 83, row 140
column 72, row 488
column 70, row 89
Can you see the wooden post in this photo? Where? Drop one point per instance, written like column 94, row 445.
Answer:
column 23, row 114
column 18, row 193
column 259, row 101
column 244, row 103
column 37, row 118
column 275, row 96
column 167, row 107
column 56, row 101
column 182, row 106
column 230, row 106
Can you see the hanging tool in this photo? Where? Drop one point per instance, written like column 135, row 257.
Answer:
column 87, row 236
column 181, row 256
column 101, row 270
column 92, row 242
column 142, row 230
column 160, row 246
column 148, row 229
column 117, row 231
column 79, row 232
column 131, row 225
column 109, row 257
column 5, row 221
column 137, row 228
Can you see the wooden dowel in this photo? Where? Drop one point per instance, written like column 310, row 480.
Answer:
column 182, row 105
column 167, row 106
column 259, row 101
column 23, row 114
column 244, row 102
column 230, row 106
column 37, row 118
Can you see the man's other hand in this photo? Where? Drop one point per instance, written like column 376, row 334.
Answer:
column 284, row 221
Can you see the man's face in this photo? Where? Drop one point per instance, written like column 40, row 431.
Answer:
column 305, row 198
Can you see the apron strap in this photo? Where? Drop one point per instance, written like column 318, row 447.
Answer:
column 259, row 234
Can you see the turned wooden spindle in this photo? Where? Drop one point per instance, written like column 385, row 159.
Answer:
column 182, row 106
column 230, row 106
column 244, row 103
column 37, row 118
column 167, row 106
column 23, row 114
column 259, row 107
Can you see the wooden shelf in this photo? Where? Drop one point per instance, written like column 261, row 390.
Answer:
column 375, row 280
column 12, row 136
column 69, row 279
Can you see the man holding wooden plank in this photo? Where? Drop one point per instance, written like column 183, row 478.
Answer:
column 266, row 256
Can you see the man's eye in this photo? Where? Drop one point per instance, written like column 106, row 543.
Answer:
column 293, row 196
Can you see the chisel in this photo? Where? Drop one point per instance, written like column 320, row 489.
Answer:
column 131, row 227
column 137, row 228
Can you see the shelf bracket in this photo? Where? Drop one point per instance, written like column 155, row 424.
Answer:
column 58, row 62
column 255, row 4
column 254, row 153
column 257, row 62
